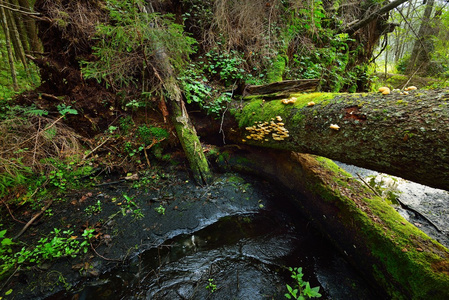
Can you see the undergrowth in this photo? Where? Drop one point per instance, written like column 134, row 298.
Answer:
column 59, row 243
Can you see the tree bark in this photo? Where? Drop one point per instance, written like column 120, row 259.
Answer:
column 281, row 87
column 184, row 128
column 30, row 27
column 6, row 29
column 401, row 135
column 380, row 243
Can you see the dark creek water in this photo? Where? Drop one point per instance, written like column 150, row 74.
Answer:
column 242, row 256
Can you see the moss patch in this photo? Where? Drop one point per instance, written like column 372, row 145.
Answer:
column 405, row 253
column 277, row 69
column 259, row 110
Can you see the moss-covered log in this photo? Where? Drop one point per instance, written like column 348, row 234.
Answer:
column 387, row 249
column 402, row 135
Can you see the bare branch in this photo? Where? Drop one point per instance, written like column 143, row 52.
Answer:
column 373, row 16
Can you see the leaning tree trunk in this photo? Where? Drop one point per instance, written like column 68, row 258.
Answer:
column 184, row 128
column 402, row 135
column 381, row 244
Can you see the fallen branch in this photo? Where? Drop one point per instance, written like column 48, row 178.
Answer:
column 33, row 219
column 10, row 212
column 96, row 148
column 101, row 256
column 370, row 187
column 286, row 87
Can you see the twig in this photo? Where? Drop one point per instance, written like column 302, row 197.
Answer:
column 405, row 206
column 12, row 216
column 223, row 115
column 146, row 157
column 370, row 187
column 96, row 148
column 6, row 282
column 110, row 183
column 33, row 219
column 411, row 76
column 36, row 143
column 101, row 256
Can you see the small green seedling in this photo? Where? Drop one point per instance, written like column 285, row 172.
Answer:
column 301, row 289
column 211, row 286
column 160, row 210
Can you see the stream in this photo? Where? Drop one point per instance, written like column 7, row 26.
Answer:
column 239, row 249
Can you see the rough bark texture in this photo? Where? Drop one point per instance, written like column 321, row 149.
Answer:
column 181, row 120
column 190, row 143
column 402, row 135
column 305, row 85
column 386, row 248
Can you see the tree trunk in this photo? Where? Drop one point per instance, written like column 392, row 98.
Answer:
column 184, row 128
column 401, row 135
column 30, row 27
column 282, row 87
column 190, row 142
column 420, row 56
column 5, row 26
column 386, row 248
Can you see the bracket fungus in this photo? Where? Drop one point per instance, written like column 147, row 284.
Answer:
column 261, row 130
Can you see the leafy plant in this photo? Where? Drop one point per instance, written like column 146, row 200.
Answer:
column 301, row 289
column 59, row 244
column 211, row 286
column 148, row 134
column 94, row 208
column 130, row 206
column 160, row 209
column 130, row 39
column 64, row 110
column 126, row 124
column 194, row 86
column 229, row 66
column 216, row 106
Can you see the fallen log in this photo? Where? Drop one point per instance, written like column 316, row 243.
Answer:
column 401, row 135
column 281, row 87
column 387, row 249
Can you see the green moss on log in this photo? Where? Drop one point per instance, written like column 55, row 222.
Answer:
column 405, row 255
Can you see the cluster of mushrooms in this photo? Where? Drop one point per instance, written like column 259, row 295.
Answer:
column 386, row 90
column 261, row 130
column 289, row 100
